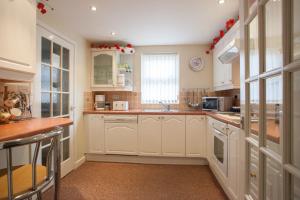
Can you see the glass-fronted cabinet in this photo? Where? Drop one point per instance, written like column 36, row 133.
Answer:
column 112, row 71
column 104, row 65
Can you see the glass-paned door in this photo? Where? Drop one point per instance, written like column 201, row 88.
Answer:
column 55, row 59
column 272, row 98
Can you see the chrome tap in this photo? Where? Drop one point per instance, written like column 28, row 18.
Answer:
column 167, row 107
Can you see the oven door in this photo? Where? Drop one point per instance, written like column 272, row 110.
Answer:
column 220, row 150
column 210, row 103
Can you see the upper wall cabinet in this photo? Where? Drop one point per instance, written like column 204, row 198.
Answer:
column 17, row 38
column 111, row 71
column 226, row 61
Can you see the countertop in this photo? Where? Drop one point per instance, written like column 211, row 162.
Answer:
column 172, row 112
column 30, row 127
column 273, row 130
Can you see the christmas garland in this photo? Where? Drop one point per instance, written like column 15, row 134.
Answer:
column 43, row 6
column 128, row 49
column 229, row 24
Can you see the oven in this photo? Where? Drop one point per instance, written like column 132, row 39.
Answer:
column 220, row 150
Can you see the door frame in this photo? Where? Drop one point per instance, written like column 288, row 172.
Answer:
column 289, row 66
column 36, row 87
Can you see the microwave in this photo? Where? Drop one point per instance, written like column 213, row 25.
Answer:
column 222, row 104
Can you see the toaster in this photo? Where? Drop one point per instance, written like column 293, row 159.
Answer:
column 120, row 105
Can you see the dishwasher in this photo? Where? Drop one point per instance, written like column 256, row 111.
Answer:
column 121, row 134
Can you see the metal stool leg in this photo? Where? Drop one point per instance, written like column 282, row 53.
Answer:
column 39, row 195
column 57, row 168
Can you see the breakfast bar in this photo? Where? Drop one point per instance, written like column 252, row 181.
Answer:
column 22, row 182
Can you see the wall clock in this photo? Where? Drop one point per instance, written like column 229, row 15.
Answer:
column 196, row 64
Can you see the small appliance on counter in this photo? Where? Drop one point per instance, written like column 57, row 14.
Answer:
column 222, row 104
column 99, row 102
column 120, row 105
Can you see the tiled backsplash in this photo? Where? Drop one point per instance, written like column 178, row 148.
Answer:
column 134, row 98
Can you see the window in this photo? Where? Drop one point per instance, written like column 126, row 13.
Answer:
column 160, row 78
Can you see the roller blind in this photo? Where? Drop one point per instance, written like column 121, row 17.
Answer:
column 160, row 78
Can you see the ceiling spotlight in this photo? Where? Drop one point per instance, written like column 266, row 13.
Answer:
column 93, row 8
column 113, row 33
column 221, row 1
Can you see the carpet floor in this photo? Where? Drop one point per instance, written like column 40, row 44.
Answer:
column 119, row 181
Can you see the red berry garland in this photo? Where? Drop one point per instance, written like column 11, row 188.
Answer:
column 229, row 24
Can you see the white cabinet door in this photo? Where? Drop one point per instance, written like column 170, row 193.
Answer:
column 18, row 35
column 209, row 139
column 173, row 135
column 121, row 138
column 233, row 160
column 95, row 125
column 273, row 183
column 195, row 136
column 150, row 135
column 104, row 69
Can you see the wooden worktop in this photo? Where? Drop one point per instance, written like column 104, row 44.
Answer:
column 146, row 112
column 30, row 127
column 158, row 112
column 273, row 130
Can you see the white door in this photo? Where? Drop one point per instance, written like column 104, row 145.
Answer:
column 95, row 125
column 121, row 138
column 270, row 66
column 195, row 136
column 53, row 84
column 150, row 135
column 173, row 135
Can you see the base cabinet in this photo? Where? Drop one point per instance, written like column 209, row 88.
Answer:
column 209, row 140
column 95, row 124
column 150, row 135
column 173, row 135
column 233, row 161
column 195, row 136
column 121, row 138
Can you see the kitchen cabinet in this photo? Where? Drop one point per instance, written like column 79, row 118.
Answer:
column 233, row 160
column 95, row 125
column 195, row 136
column 121, row 138
column 273, row 180
column 104, row 68
column 107, row 65
column 150, row 127
column 17, row 37
column 209, row 140
column 227, row 75
column 253, row 173
column 173, row 135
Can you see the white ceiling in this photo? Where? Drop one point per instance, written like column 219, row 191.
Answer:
column 145, row 22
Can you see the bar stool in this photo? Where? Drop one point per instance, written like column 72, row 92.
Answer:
column 29, row 180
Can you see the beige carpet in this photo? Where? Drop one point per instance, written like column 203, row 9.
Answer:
column 115, row 181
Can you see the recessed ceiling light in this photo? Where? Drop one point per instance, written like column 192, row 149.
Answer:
column 221, row 1
column 93, row 8
column 113, row 33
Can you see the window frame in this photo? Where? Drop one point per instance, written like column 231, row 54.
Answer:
column 156, row 102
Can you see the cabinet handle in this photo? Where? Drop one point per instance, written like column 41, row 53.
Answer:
column 252, row 174
column 162, row 117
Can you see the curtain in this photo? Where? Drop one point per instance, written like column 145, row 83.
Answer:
column 160, row 78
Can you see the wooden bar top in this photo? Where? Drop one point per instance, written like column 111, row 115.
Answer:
column 30, row 127
column 161, row 112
